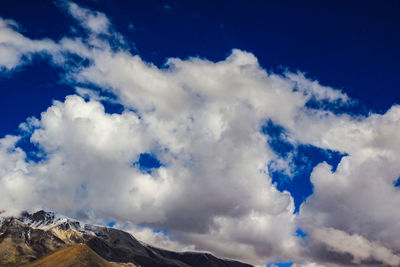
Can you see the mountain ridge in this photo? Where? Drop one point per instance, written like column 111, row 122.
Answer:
column 32, row 236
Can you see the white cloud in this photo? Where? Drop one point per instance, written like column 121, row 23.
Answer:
column 314, row 89
column 154, row 238
column 202, row 120
column 93, row 21
column 14, row 179
column 360, row 248
column 359, row 197
column 16, row 49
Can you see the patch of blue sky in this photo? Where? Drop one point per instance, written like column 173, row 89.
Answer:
column 112, row 107
column 108, row 100
column 28, row 92
column 396, row 183
column 301, row 233
column 277, row 139
column 32, row 151
column 302, row 160
column 164, row 231
column 74, row 61
column 147, row 162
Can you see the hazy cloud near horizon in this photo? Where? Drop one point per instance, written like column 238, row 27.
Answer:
column 203, row 121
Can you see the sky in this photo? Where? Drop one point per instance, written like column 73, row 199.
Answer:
column 264, row 132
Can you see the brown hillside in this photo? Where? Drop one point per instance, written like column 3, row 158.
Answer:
column 77, row 255
column 21, row 244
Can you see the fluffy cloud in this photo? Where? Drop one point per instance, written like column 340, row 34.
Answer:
column 203, row 121
column 360, row 197
column 13, row 170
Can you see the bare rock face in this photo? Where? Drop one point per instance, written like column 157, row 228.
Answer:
column 32, row 236
column 20, row 243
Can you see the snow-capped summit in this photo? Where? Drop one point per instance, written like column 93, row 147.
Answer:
column 48, row 220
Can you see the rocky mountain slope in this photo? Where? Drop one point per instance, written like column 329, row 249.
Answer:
column 33, row 236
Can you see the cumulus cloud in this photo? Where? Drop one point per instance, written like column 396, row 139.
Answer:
column 203, row 121
column 359, row 198
column 13, row 170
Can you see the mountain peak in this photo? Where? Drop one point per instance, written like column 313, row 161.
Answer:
column 40, row 216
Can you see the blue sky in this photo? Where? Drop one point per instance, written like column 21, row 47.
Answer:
column 303, row 95
column 351, row 46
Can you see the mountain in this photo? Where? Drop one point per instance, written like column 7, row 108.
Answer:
column 76, row 255
column 20, row 243
column 30, row 237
